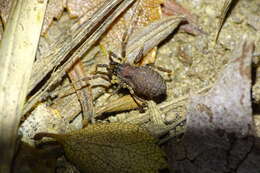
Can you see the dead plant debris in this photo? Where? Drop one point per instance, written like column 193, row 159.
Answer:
column 206, row 123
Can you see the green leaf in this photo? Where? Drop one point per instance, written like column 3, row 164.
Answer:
column 111, row 147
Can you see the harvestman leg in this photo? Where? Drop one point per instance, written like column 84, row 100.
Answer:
column 105, row 75
column 125, row 39
column 54, row 94
column 136, row 98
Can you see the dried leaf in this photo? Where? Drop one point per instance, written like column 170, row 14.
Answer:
column 112, row 147
column 219, row 123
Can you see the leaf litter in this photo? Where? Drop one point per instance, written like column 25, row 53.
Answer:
column 205, row 62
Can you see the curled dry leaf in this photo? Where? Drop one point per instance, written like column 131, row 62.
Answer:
column 219, row 124
column 112, row 147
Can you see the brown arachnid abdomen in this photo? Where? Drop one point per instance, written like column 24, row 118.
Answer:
column 144, row 81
